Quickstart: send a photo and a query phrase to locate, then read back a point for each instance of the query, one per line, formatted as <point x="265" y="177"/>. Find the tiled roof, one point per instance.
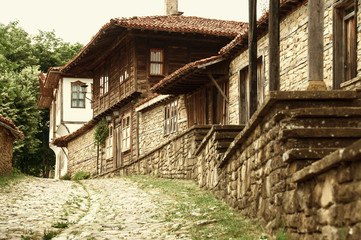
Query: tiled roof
<point x="169" y="24"/>
<point x="263" y="20"/>
<point x="63" y="140"/>
<point x="146" y="99"/>
<point x="182" y="24"/>
<point x="9" y="124"/>
<point x="183" y="70"/>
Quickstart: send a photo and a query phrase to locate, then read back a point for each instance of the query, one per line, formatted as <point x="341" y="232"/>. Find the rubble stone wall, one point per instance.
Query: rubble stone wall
<point x="82" y="154"/>
<point x="323" y="200"/>
<point x="151" y="126"/>
<point x="6" y="151"/>
<point x="312" y="198"/>
<point x="293" y="55"/>
<point x="173" y="159"/>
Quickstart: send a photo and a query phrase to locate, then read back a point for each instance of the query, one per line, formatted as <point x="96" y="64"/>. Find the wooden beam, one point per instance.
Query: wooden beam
<point x="274" y="45"/>
<point x="218" y="87"/>
<point x="315" y="45"/>
<point x="252" y="46"/>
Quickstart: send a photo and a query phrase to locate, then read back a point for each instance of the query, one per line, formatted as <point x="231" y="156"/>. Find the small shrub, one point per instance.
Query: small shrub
<point x="101" y="132"/>
<point x="81" y="175"/>
<point x="60" y="225"/>
<point x="49" y="235"/>
<point x="65" y="177"/>
<point x="281" y="235"/>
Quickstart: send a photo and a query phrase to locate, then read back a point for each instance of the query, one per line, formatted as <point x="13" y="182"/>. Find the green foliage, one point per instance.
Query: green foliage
<point x="81" y="175"/>
<point x="101" y="132"/>
<point x="49" y="234"/>
<point x="60" y="225"/>
<point x="21" y="58"/>
<point x="52" y="51"/>
<point x="8" y="180"/>
<point x="65" y="177"/>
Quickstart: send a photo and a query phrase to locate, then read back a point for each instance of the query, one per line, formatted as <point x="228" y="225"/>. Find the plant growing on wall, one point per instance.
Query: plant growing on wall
<point x="101" y="132"/>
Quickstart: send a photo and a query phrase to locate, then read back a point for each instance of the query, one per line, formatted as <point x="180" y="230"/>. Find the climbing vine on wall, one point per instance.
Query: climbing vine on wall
<point x="101" y="132"/>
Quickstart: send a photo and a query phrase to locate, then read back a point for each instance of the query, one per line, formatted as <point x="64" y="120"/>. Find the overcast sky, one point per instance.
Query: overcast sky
<point x="79" y="20"/>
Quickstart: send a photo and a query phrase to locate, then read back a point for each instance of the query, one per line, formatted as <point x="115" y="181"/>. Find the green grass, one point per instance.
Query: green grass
<point x="60" y="224"/>
<point x="9" y="180"/>
<point x="49" y="234"/>
<point x="81" y="175"/>
<point x="65" y="177"/>
<point x="206" y="216"/>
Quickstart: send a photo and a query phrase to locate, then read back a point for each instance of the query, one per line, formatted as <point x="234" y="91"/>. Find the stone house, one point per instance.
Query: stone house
<point x="267" y="145"/>
<point x="8" y="134"/>
<point x="125" y="59"/>
<point x="70" y="108"/>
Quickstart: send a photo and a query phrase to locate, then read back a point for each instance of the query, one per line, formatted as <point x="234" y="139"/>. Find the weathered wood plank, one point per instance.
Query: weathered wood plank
<point x="274" y="45"/>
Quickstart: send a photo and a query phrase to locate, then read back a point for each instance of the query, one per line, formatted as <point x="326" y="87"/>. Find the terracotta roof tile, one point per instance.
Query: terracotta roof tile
<point x="63" y="140"/>
<point x="12" y="127"/>
<point x="169" y="24"/>
<point x="146" y="100"/>
<point x="182" y="24"/>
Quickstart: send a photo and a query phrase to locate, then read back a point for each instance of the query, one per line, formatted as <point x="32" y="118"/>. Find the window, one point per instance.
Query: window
<point x="104" y="83"/>
<point x="109" y="143"/>
<point x="124" y="74"/>
<point x="124" y="65"/>
<point x="170" y="118"/>
<point x="126" y="132"/>
<point x="156" y="62"/>
<point x="78" y="95"/>
<point x="345" y="41"/>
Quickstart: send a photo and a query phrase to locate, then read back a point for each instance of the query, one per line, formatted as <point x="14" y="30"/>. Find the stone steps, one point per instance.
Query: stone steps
<point x="340" y="112"/>
<point x="320" y="132"/>
<point x="306" y="154"/>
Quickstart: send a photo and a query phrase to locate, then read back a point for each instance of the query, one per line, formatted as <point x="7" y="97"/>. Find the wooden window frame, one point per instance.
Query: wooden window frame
<point x="161" y="62"/>
<point x="171" y="118"/>
<point x="79" y="84"/>
<point x="104" y="81"/>
<point x="126" y="133"/>
<point x="344" y="70"/>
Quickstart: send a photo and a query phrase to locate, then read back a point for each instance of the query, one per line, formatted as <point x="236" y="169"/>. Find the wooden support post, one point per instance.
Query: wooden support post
<point x="218" y="87"/>
<point x="315" y="45"/>
<point x="274" y="45"/>
<point x="252" y="47"/>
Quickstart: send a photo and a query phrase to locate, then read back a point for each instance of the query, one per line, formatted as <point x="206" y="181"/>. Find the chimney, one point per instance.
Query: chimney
<point x="171" y="7"/>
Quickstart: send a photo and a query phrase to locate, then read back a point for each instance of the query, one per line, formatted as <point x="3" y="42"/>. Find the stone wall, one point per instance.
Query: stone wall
<point x="325" y="197"/>
<point x="288" y="133"/>
<point x="151" y="125"/>
<point x="6" y="151"/>
<point x="172" y="159"/>
<point x="293" y="55"/>
<point x="82" y="154"/>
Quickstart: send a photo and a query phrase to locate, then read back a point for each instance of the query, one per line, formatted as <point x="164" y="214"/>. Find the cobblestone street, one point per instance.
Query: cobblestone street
<point x="91" y="209"/>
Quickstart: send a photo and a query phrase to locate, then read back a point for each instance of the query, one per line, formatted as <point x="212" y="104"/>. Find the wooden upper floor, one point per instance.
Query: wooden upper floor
<point x="130" y="55"/>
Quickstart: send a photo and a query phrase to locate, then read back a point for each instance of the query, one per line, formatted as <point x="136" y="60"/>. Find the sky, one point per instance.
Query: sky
<point x="79" y="20"/>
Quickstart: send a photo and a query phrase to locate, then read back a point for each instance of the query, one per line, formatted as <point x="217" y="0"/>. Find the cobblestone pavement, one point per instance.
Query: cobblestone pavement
<point x="92" y="209"/>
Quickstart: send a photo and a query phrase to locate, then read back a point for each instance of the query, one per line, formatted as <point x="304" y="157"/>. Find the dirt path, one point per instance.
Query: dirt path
<point x="91" y="209"/>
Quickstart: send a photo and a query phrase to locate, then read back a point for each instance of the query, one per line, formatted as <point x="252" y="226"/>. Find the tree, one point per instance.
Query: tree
<point x="19" y="104"/>
<point x="21" y="58"/>
<point x="51" y="51"/>
<point x="16" y="51"/>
